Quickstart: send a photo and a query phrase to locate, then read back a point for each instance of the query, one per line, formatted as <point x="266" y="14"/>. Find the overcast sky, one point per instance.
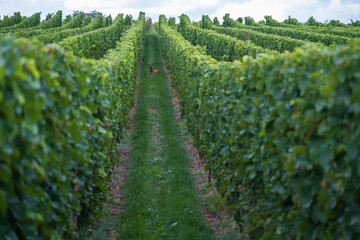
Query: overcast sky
<point x="322" y="10"/>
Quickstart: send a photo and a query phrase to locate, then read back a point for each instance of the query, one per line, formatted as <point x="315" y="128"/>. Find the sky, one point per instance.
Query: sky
<point x="322" y="10"/>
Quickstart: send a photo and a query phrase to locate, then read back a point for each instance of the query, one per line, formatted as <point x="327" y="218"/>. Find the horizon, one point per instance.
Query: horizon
<point x="322" y="10"/>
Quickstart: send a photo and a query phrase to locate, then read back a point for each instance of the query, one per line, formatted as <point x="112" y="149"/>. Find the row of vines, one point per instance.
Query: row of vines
<point x="60" y="117"/>
<point x="279" y="132"/>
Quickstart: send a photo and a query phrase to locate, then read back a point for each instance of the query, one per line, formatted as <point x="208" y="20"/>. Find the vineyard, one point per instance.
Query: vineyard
<point x="273" y="109"/>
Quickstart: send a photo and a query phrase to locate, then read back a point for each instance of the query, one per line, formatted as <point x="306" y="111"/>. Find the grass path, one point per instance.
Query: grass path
<point x="161" y="200"/>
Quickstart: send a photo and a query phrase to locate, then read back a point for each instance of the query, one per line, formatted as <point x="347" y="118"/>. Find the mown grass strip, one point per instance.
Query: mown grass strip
<point x="161" y="197"/>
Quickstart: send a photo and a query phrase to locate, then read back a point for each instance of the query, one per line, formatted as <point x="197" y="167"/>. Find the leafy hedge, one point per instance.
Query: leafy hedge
<point x="59" y="117"/>
<point x="351" y="32"/>
<point x="187" y="64"/>
<point x="280" y="134"/>
<point x="300" y="34"/>
<point x="29" y="22"/>
<point x="313" y="26"/>
<point x="74" y="27"/>
<point x="10" y="21"/>
<point x="269" y="41"/>
<point x="75" y="22"/>
<point x="219" y="46"/>
<point x="53" y="22"/>
<point x="94" y="44"/>
<point x="57" y="34"/>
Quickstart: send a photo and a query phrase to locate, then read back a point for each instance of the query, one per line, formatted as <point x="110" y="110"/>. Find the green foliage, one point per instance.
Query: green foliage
<point x="108" y="21"/>
<point x="345" y="32"/>
<point x="216" y="21"/>
<point x="269" y="41"/>
<point x="87" y="20"/>
<point x="94" y="44"/>
<point x="205" y="21"/>
<point x="31" y="21"/>
<point x="52" y="21"/>
<point x="75" y="22"/>
<point x="56" y="34"/>
<point x="48" y="16"/>
<point x="26" y="22"/>
<point x="227" y="21"/>
<point x="240" y="20"/>
<point x="172" y="22"/>
<point x="279" y="133"/>
<point x="186" y="63"/>
<point x="10" y="21"/>
<point x="54" y="143"/>
<point x="355" y="23"/>
<point x="219" y="46"/>
<point x="271" y="22"/>
<point x="298" y="33"/>
<point x="336" y="23"/>
<point x="67" y="19"/>
<point x="292" y="21"/>
<point x="283" y="139"/>
<point x="312" y="22"/>
<point x="128" y="19"/>
<point x="249" y="21"/>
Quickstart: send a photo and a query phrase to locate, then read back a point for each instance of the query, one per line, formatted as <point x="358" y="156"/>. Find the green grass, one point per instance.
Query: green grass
<point x="161" y="200"/>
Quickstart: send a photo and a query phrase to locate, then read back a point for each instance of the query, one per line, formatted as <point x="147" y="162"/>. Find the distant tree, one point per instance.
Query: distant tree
<point x="227" y="21"/>
<point x="262" y="22"/>
<point x="93" y="14"/>
<point x="77" y="12"/>
<point x="355" y="24"/>
<point x="16" y="18"/>
<point x="271" y="22"/>
<point x="128" y="19"/>
<point x="205" y="21"/>
<point x="52" y="20"/>
<point x="106" y="22"/>
<point x="249" y="21"/>
<point x="87" y="20"/>
<point x="216" y="21"/>
<point x="292" y="21"/>
<point x="312" y="22"/>
<point x="240" y="20"/>
<point x="49" y="16"/>
<point x="9" y="21"/>
<point x="67" y="19"/>
<point x="336" y="23"/>
<point x="172" y="22"/>
<point x="110" y="19"/>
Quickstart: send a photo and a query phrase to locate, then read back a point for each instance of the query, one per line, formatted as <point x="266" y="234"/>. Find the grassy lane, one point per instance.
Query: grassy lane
<point x="161" y="200"/>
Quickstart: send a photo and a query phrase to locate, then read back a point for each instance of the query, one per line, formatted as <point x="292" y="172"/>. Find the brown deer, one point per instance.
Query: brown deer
<point x="153" y="71"/>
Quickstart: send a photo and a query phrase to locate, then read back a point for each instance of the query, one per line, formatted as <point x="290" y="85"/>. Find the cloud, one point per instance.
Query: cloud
<point x="338" y="10"/>
<point x="343" y="10"/>
<point x="281" y="9"/>
<point x="85" y="5"/>
<point x="29" y="7"/>
<point x="169" y="8"/>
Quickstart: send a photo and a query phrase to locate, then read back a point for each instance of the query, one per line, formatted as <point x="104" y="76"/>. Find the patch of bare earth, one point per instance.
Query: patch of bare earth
<point x="218" y="217"/>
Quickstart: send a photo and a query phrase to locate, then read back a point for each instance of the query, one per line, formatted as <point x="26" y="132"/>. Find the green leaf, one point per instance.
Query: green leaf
<point x="3" y="203"/>
<point x="31" y="66"/>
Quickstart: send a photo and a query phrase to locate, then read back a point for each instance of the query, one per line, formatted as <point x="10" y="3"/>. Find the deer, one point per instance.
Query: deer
<point x="153" y="71"/>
